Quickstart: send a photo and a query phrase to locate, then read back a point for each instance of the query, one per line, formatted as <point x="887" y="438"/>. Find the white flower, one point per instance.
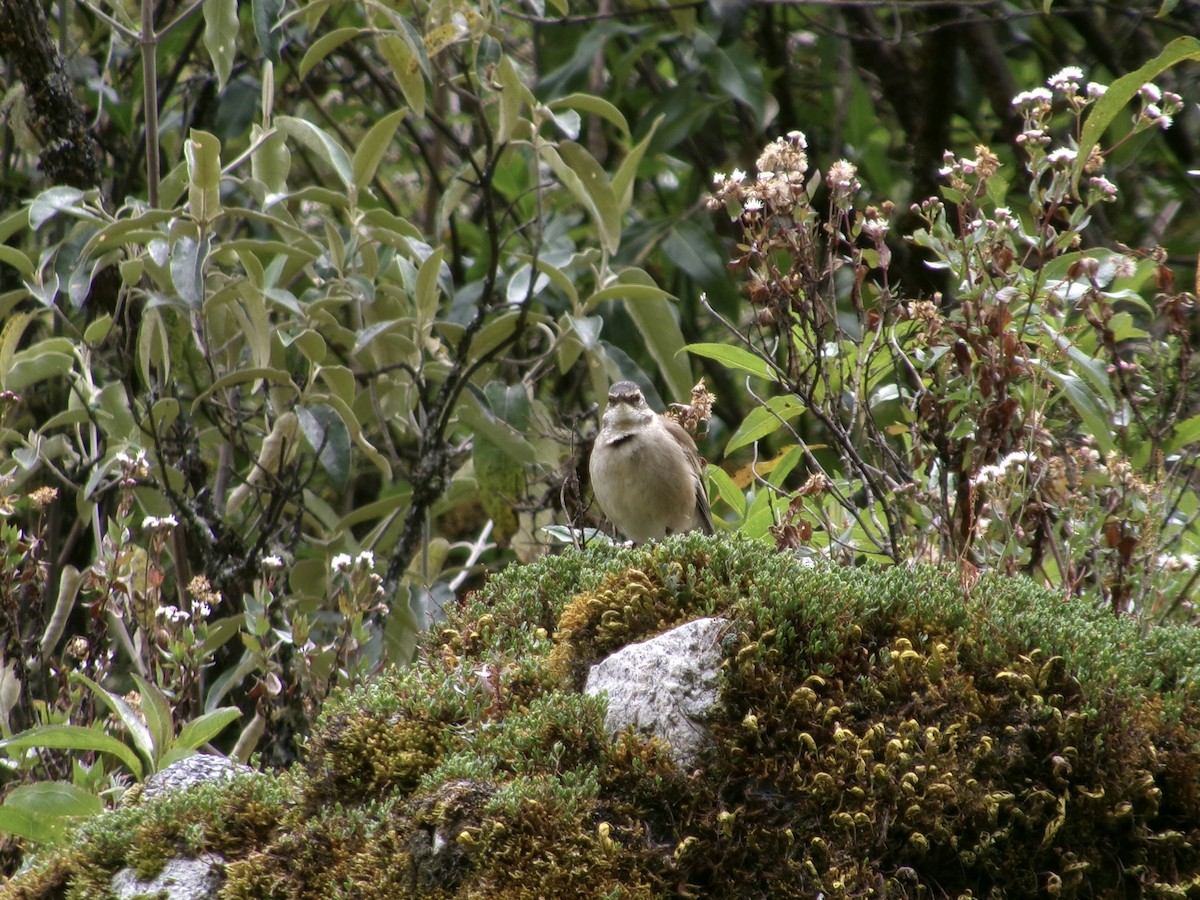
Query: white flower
<point x="986" y="474"/>
<point x="1104" y="186"/>
<point x="798" y="138"/>
<point x="202" y="609"/>
<point x="1066" y="78"/>
<point x="342" y="562"/>
<point x="738" y="176"/>
<point x="842" y="178"/>
<point x="366" y="559"/>
<point x="1062" y="155"/>
<point x="1036" y="97"/>
<point x="151" y="523"/>
<point x="272" y="562"/>
<point x="1150" y="91"/>
<point x="719" y="177"/>
<point x="1095" y="90"/>
<point x="752" y="205"/>
<point x="1018" y="457"/>
<point x="173" y="614"/>
<point x="875" y="229"/>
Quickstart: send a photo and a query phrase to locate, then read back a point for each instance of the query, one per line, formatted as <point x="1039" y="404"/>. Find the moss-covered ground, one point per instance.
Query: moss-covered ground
<point x="888" y="733"/>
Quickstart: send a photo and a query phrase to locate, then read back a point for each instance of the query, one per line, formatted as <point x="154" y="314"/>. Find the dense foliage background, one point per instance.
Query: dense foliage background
<point x="308" y="307"/>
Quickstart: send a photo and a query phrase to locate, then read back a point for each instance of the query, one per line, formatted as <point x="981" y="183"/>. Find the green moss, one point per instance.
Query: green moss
<point x="879" y="733"/>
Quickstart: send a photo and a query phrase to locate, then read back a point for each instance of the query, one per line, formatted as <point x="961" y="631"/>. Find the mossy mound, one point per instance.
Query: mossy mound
<point x="880" y="733"/>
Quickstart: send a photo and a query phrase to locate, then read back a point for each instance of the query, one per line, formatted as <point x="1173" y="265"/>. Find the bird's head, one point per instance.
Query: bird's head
<point x="626" y="406"/>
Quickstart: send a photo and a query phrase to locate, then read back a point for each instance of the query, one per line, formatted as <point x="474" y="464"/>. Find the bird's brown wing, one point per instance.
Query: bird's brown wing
<point x="688" y="444"/>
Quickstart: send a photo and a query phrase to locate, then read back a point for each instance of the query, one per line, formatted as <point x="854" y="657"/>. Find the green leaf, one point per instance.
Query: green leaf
<point x="503" y="436"/>
<point x="329" y="438"/>
<point x="266" y="16"/>
<point x="42" y="812"/>
<point x="188" y="258"/>
<point x="204" y="728"/>
<point x="55" y="200"/>
<point x="18" y="260"/>
<point x="326" y="44"/>
<point x="203" y="153"/>
<point x="133" y="721"/>
<point x="622" y="182"/>
<point x="157" y="714"/>
<point x="277" y="376"/>
<point x="1096" y="418"/>
<point x="734" y="358"/>
<point x="1186" y="432"/>
<point x="765" y="420"/>
<point x="579" y="172"/>
<point x="409" y="65"/>
<point x="727" y="490"/>
<point x="220" y="36"/>
<point x="320" y="143"/>
<point x="153" y="350"/>
<point x="74" y="737"/>
<point x="427" y="284"/>
<point x="513" y="93"/>
<point x="655" y="318"/>
<point x="593" y="105"/>
<point x="373" y="147"/>
<point x="1124" y="89"/>
<point x="41" y="362"/>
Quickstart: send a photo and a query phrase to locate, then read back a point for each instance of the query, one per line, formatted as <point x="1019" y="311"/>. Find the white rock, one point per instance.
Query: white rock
<point x="665" y="686"/>
<point x="180" y="879"/>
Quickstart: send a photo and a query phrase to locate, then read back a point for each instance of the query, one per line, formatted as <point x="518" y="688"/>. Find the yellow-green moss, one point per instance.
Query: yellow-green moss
<point x="879" y="733"/>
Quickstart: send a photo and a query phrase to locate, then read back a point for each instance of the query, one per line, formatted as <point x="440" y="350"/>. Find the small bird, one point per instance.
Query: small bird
<point x="646" y="471"/>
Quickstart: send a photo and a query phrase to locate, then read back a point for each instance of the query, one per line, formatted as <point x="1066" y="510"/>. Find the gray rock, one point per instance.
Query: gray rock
<point x="180" y="879"/>
<point x="196" y="769"/>
<point x="665" y="686"/>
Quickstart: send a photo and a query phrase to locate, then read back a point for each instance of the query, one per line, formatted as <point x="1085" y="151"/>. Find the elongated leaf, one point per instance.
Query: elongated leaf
<point x="590" y="175"/>
<point x="157" y="714"/>
<point x="373" y="147"/>
<point x="203" y="153"/>
<point x="329" y="438"/>
<point x="1095" y="418"/>
<point x="220" y="36"/>
<point x="765" y="420"/>
<point x="655" y="318"/>
<point x="266" y="16"/>
<point x="55" y="200"/>
<point x="427" y="284"/>
<point x="320" y="143"/>
<point x="1124" y="89"/>
<point x="188" y="258"/>
<point x="587" y="180"/>
<point x="727" y="490"/>
<point x="593" y="105"/>
<point x="74" y="737"/>
<point x="277" y="376"/>
<point x="503" y="436"/>
<point x="622" y="182"/>
<point x="18" y="260"/>
<point x="133" y="721"/>
<point x="42" y="812"/>
<point x="733" y="358"/>
<point x="204" y="728"/>
<point x="326" y="44"/>
<point x="409" y="65"/>
<point x="1186" y="432"/>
